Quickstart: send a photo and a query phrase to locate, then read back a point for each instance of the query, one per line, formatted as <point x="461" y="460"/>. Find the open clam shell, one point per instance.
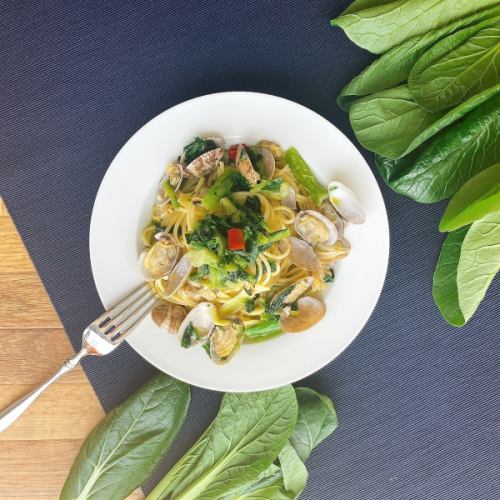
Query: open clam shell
<point x="204" y="164"/>
<point x="302" y="255"/>
<point x="290" y="200"/>
<point x="174" y="173"/>
<point x="225" y="342"/>
<point x="158" y="260"/>
<point x="309" y="311"/>
<point x="267" y="165"/>
<point x="244" y="165"/>
<point x="168" y="316"/>
<point x="291" y="293"/>
<point x="346" y="203"/>
<point x="315" y="228"/>
<point x="198" y="324"/>
<point x="179" y="275"/>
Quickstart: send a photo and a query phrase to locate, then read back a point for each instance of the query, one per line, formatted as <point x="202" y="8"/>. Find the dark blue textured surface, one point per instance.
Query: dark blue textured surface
<point x="417" y="399"/>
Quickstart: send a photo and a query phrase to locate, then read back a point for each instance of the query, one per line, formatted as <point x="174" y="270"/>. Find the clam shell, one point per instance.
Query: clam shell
<point x="244" y="165"/>
<point x="201" y="319"/>
<point x="204" y="164"/>
<point x="290" y="199"/>
<point x="302" y="255"/>
<point x="174" y="175"/>
<point x="179" y="275"/>
<point x="268" y="163"/>
<point x="168" y="316"/>
<point x="157" y="261"/>
<point x="291" y="293"/>
<point x="315" y="228"/>
<point x="225" y="342"/>
<point x="329" y="212"/>
<point x="346" y="203"/>
<point x="309" y="312"/>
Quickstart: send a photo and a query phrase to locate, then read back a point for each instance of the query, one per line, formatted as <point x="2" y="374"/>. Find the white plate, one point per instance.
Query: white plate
<point x="123" y="204"/>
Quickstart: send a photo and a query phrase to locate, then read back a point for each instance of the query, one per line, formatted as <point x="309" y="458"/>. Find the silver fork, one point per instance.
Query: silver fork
<point x="101" y="337"/>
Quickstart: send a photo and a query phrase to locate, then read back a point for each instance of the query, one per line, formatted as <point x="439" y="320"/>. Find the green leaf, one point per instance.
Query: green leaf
<point x="119" y="455"/>
<point x="462" y="64"/>
<point x="244" y="439"/>
<point x="479" y="262"/>
<point x="478" y="197"/>
<point x="393" y="67"/>
<point x="378" y="25"/>
<point x="392" y="124"/>
<point x="436" y="170"/>
<point x="386" y="122"/>
<point x="316" y="421"/>
<point x="293" y="470"/>
<point x="197" y="148"/>
<point x="444" y="284"/>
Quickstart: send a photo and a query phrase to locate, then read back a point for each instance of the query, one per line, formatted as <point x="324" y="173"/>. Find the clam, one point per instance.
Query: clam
<point x="173" y="175"/>
<point x="302" y="255"/>
<point x="308" y="312"/>
<point x="168" y="316"/>
<point x="346" y="203"/>
<point x="267" y="164"/>
<point x="340" y="249"/>
<point x="244" y="165"/>
<point x="179" y="275"/>
<point x="225" y="341"/>
<point x="204" y="164"/>
<point x="273" y="147"/>
<point x="197" y="325"/>
<point x="326" y="208"/>
<point x="315" y="228"/>
<point x="290" y="200"/>
<point x="291" y="293"/>
<point x="157" y="261"/>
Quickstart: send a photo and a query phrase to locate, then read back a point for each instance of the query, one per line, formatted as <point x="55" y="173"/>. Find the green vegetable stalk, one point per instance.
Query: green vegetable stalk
<point x="305" y="176"/>
<point x="171" y="194"/>
<point x="220" y="188"/>
<point x="263" y="330"/>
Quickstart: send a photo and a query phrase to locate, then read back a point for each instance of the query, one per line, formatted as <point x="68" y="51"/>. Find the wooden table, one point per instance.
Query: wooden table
<point x="38" y="450"/>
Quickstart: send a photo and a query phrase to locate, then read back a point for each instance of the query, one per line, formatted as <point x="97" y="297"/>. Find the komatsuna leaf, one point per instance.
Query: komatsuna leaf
<point x="378" y="26"/>
<point x="479" y="262"/>
<point x="293" y="470"/>
<point x="386" y="122"/>
<point x="392" y="124"/>
<point x="444" y="284"/>
<point x="316" y="421"/>
<point x="244" y="439"/>
<point x="437" y="169"/>
<point x="478" y="197"/>
<point x="393" y="67"/>
<point x="458" y="66"/>
<point x="119" y="455"/>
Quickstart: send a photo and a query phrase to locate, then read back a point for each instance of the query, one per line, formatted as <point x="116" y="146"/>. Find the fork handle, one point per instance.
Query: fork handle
<point x="10" y="414"/>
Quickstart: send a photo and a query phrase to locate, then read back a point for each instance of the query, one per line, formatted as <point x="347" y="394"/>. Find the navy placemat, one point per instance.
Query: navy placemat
<point x="416" y="398"/>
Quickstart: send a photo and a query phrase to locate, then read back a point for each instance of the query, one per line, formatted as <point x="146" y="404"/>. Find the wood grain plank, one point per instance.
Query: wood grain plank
<point x="13" y="256"/>
<point x="24" y="303"/>
<point x="31" y="355"/>
<point x="55" y="413"/>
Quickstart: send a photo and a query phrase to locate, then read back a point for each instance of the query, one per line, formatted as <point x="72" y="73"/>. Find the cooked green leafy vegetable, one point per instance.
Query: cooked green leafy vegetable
<point x="378" y="25"/>
<point x="444" y="284"/>
<point x="305" y="176"/>
<point x="197" y="148"/>
<point x="190" y="334"/>
<point x="170" y="191"/>
<point x="436" y="171"/>
<point x="460" y="65"/>
<point x="393" y="67"/>
<point x="120" y="454"/>
<point x="263" y="330"/>
<point x="230" y="181"/>
<point x="478" y="197"/>
<point x="246" y="436"/>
